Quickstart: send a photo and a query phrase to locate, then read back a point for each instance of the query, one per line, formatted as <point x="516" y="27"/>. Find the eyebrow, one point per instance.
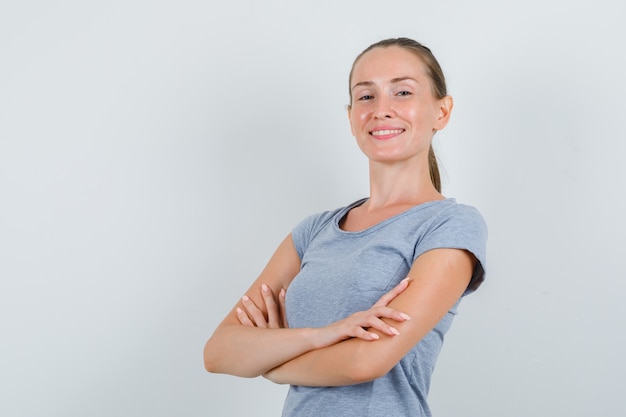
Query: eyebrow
<point x="393" y="81"/>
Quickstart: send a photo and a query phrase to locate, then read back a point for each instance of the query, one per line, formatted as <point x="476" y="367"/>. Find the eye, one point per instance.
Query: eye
<point x="403" y="93"/>
<point x="365" y="97"/>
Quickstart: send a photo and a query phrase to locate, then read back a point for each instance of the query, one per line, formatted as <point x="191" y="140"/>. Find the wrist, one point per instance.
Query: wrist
<point x="321" y="337"/>
<point x="314" y="337"/>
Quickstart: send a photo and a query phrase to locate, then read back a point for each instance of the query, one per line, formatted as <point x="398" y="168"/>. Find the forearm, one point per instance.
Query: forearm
<point x="251" y="351"/>
<point x="349" y="362"/>
<point x="441" y="276"/>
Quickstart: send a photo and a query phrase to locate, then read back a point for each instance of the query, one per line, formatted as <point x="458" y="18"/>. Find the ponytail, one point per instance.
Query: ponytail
<point x="433" y="167"/>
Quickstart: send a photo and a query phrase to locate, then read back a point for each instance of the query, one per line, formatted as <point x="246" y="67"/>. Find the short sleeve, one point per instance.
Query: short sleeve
<point x="307" y="229"/>
<point x="459" y="227"/>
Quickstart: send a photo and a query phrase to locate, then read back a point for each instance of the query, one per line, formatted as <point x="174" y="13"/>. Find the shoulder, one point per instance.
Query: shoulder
<point x="308" y="228"/>
<point x="312" y="224"/>
<point x="457" y="226"/>
<point x="464" y="216"/>
<point x="438" y="218"/>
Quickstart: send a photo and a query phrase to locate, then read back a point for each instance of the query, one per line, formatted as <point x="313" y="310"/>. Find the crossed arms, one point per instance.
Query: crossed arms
<point x="254" y="340"/>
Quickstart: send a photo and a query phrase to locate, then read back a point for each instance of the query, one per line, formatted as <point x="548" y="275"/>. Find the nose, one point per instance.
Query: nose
<point x="384" y="108"/>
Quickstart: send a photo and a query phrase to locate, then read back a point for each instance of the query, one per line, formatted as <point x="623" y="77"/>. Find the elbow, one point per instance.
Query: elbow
<point x="367" y="368"/>
<point x="215" y="354"/>
<point x="365" y="373"/>
<point x="210" y="361"/>
<point x="213" y="360"/>
<point x="216" y="361"/>
<point x="369" y="362"/>
<point x="210" y="366"/>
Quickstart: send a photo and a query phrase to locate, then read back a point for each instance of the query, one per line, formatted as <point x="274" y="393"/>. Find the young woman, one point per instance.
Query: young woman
<point x="352" y="308"/>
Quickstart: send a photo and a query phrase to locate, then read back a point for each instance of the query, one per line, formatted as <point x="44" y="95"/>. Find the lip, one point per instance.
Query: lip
<point x="386" y="132"/>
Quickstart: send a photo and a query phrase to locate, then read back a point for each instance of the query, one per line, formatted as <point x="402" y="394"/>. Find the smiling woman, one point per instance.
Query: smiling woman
<point x="434" y="78"/>
<point x="352" y="308"/>
<point x="394" y="111"/>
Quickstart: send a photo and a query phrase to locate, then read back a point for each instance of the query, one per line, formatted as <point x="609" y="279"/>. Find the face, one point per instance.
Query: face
<point x="394" y="112"/>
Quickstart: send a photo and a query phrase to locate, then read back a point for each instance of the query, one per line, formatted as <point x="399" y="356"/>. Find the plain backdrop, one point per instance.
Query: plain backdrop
<point x="154" y="153"/>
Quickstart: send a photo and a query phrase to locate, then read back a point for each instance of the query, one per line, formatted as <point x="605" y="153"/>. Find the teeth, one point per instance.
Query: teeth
<point x="387" y="132"/>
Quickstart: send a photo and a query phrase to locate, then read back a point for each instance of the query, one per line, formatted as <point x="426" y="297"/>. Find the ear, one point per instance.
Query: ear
<point x="445" y="108"/>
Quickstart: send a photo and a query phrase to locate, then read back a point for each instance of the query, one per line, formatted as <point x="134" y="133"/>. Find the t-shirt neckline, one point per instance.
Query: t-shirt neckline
<point x="344" y="211"/>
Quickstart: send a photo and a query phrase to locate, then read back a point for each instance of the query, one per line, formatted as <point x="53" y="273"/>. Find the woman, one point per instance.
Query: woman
<point x="368" y="290"/>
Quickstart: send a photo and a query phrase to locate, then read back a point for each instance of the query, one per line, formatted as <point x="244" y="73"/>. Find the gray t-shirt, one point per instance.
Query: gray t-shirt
<point x="345" y="272"/>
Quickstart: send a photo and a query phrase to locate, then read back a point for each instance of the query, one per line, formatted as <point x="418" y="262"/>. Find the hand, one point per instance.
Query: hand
<point x="253" y="316"/>
<point x="355" y="325"/>
<point x="358" y="324"/>
<point x="352" y="326"/>
<point x="395" y="291"/>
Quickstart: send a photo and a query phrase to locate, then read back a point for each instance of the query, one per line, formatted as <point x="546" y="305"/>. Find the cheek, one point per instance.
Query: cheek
<point x="352" y="128"/>
<point x="357" y="121"/>
<point x="422" y="118"/>
<point x="414" y="111"/>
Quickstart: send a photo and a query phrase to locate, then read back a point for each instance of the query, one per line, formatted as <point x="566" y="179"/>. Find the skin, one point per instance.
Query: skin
<point x="253" y="350"/>
<point x="393" y="117"/>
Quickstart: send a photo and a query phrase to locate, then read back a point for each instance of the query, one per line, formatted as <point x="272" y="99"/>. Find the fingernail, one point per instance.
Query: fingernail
<point x="282" y="292"/>
<point x="239" y="311"/>
<point x="394" y="331"/>
<point x="405" y="316"/>
<point x="264" y="288"/>
<point x="374" y="336"/>
<point x="245" y="298"/>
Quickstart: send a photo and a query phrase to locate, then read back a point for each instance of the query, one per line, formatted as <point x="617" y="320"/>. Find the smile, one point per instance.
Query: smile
<point x="386" y="133"/>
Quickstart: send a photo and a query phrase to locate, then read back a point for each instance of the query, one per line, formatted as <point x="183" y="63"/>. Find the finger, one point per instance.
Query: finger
<point x="283" y="307"/>
<point x="243" y="318"/>
<point x="372" y="319"/>
<point x="363" y="334"/>
<point x="273" y="317"/>
<point x="253" y="311"/>
<point x="389" y="313"/>
<point x="395" y="291"/>
<point x="380" y="325"/>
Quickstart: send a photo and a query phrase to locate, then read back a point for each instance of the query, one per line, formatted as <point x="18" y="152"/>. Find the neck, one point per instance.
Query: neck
<point x="400" y="184"/>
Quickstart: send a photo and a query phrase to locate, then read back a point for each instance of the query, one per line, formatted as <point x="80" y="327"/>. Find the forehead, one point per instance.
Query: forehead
<point x="391" y="62"/>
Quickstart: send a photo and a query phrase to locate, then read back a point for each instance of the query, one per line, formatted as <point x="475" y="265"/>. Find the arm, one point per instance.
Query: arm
<point x="250" y="340"/>
<point x="439" y="278"/>
<point x="247" y="351"/>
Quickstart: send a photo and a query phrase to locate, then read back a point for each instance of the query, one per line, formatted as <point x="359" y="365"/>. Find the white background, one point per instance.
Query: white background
<point x="154" y="153"/>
